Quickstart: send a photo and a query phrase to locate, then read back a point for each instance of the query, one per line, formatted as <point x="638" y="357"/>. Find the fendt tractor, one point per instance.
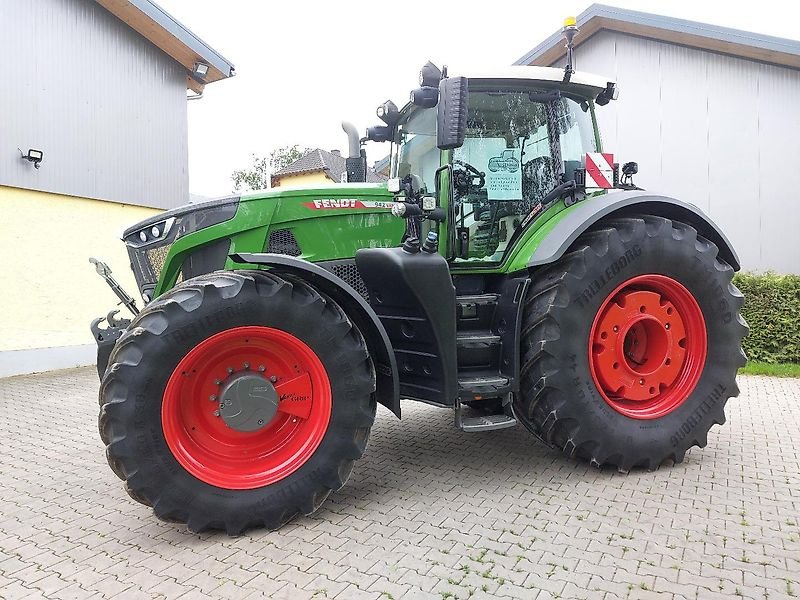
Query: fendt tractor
<point x="509" y="271"/>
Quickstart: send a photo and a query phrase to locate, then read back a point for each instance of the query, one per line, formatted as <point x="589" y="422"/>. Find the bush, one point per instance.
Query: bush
<point x="772" y="309"/>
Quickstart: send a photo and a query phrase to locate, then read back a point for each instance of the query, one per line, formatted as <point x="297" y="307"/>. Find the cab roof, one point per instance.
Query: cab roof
<point x="591" y="83"/>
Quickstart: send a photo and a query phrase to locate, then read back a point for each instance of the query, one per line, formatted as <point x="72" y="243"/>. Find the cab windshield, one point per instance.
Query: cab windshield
<point x="524" y="144"/>
<point x="519" y="146"/>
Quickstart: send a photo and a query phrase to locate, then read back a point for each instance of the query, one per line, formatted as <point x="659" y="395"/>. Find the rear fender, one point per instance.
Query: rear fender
<point x="618" y="204"/>
<point x="380" y="348"/>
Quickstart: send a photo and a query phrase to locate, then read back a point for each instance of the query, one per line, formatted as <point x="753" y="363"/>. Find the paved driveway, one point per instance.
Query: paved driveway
<point x="429" y="513"/>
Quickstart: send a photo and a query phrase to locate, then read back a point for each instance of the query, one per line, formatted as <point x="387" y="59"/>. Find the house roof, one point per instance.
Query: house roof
<point x="599" y="17"/>
<point x="333" y="165"/>
<point x="172" y="37"/>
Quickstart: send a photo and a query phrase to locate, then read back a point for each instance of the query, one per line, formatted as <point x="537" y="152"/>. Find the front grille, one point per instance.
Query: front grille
<point x="147" y="263"/>
<point x="347" y="270"/>
<point x="282" y="241"/>
<point x="157" y="257"/>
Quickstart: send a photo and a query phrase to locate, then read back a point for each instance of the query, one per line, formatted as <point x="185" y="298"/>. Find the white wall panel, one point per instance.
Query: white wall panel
<point x="733" y="152"/>
<point x="711" y="129"/>
<point x="107" y="107"/>
<point x="779" y="168"/>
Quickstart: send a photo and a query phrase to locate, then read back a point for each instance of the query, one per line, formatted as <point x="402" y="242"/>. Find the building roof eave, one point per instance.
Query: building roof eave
<point x="173" y="38"/>
<point x="598" y="17"/>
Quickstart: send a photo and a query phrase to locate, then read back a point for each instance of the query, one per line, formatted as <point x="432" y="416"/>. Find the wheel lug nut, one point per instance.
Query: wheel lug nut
<point x="217" y="382"/>
<point x="666" y="326"/>
<point x="641" y="382"/>
<point x="230" y="370"/>
<point x="261" y="368"/>
<point x="246" y="365"/>
<point x="616" y="328"/>
<point x="273" y="379"/>
<point x="212" y="397"/>
<point x="216" y="413"/>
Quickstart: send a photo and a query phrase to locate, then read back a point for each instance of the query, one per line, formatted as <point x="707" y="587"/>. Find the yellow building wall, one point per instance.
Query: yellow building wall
<point x="50" y="291"/>
<point x="315" y="178"/>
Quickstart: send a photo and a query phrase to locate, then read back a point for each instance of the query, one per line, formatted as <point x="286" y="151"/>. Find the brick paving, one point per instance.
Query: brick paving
<point x="428" y="513"/>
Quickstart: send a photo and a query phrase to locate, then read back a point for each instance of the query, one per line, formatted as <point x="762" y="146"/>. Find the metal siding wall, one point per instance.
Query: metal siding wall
<point x="106" y="106"/>
<point x="717" y="131"/>
<point x="779" y="144"/>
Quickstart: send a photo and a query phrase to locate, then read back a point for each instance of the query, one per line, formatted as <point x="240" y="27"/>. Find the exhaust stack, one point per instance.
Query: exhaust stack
<point x="356" y="161"/>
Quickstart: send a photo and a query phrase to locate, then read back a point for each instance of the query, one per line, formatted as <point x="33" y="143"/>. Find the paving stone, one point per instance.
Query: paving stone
<point x="424" y="503"/>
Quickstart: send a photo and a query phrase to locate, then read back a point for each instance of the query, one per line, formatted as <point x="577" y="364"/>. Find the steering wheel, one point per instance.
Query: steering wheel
<point x="468" y="178"/>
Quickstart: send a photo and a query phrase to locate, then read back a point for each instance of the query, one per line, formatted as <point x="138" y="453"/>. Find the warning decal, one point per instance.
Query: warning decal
<point x="599" y="170"/>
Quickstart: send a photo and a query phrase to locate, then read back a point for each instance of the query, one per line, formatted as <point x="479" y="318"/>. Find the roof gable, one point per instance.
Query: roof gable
<point x="742" y="44"/>
<point x="316" y="160"/>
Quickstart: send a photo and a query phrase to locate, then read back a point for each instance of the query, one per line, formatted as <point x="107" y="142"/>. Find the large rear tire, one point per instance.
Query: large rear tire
<point x="630" y="344"/>
<point x="237" y="400"/>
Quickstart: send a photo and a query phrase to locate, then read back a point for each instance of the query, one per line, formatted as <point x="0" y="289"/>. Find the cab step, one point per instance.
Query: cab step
<point x="486" y="385"/>
<point x="467" y="338"/>
<point x="486" y="423"/>
<point x="475" y="311"/>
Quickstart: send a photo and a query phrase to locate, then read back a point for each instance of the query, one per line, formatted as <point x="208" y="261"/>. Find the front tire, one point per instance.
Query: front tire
<point x="237" y="400"/>
<point x="631" y="344"/>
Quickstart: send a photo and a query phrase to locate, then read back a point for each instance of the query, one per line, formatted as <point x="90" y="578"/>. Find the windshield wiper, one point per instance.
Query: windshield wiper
<point x="558" y="192"/>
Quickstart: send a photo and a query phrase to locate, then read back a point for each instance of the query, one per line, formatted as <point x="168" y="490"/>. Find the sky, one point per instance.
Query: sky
<point x="304" y="66"/>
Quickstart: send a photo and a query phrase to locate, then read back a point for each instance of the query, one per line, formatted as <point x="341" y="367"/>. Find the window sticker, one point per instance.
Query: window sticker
<point x="501" y="165"/>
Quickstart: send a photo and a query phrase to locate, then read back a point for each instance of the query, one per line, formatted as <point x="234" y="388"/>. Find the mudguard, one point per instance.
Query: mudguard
<point x="380" y="347"/>
<point x="627" y="203"/>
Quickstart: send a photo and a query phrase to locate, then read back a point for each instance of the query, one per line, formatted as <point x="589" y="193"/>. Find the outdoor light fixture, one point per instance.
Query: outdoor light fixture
<point x="200" y="70"/>
<point x="430" y="75"/>
<point x="34" y="156"/>
<point x="388" y="113"/>
<point x="425" y="97"/>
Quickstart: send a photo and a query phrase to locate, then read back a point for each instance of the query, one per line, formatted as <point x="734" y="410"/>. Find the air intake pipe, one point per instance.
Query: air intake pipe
<point x="356" y="162"/>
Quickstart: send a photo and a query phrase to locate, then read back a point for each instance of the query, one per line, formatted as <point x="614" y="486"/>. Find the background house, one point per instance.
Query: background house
<point x="317" y="167"/>
<point x="709" y="113"/>
<point x="100" y="87"/>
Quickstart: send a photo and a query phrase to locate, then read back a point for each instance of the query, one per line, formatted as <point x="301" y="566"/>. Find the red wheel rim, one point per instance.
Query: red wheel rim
<point x="647" y="346"/>
<point x="204" y="443"/>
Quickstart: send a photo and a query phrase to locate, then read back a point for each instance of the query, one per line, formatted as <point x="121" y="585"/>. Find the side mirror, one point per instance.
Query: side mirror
<point x="451" y="113"/>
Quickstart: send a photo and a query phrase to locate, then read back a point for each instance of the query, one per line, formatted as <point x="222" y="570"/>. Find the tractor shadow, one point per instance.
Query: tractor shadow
<point x="424" y="458"/>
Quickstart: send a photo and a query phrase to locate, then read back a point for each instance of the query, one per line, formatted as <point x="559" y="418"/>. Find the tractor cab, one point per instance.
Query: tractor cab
<point x="481" y="161"/>
<point x="525" y="137"/>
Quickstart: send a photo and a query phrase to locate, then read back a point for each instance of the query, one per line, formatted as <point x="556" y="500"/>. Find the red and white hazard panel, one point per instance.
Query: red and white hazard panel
<point x="599" y="170"/>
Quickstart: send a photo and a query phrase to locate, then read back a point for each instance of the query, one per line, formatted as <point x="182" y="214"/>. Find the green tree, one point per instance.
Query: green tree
<point x="256" y="177"/>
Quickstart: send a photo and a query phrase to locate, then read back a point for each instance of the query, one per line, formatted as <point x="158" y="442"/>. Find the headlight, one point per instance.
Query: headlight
<point x="175" y="223"/>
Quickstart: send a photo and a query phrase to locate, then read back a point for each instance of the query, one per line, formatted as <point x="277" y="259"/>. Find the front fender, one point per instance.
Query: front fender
<point x="387" y="389"/>
<point x="589" y="212"/>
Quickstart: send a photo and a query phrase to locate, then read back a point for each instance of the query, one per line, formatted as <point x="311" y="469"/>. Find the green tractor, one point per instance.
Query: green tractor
<point x="549" y="292"/>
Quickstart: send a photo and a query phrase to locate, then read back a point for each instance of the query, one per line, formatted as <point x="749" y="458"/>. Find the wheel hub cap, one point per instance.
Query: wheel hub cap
<point x="647" y="346"/>
<point x="246" y="407"/>
<point x="638" y="345"/>
<point x="248" y="402"/>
